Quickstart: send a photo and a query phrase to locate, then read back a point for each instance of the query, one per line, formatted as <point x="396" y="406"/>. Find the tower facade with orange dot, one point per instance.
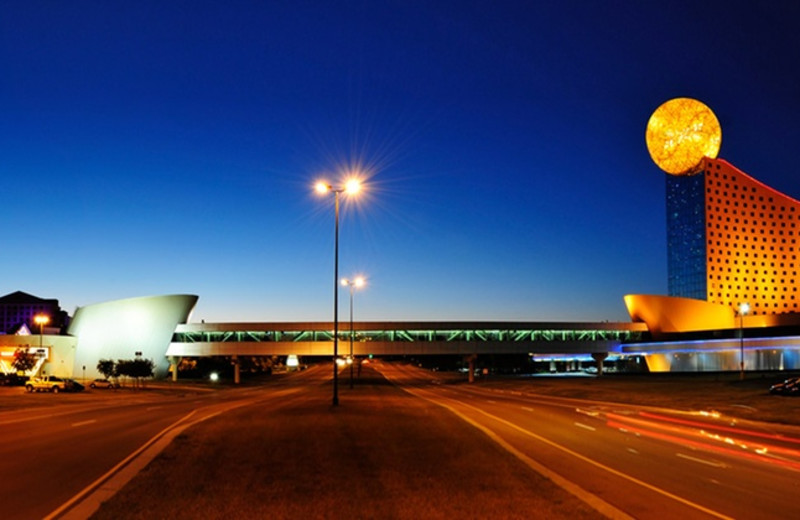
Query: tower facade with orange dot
<point x="731" y="240"/>
<point x="751" y="233"/>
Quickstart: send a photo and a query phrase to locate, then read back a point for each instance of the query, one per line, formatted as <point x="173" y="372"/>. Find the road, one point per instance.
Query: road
<point x="52" y="452"/>
<point x="59" y="452"/>
<point x="632" y="460"/>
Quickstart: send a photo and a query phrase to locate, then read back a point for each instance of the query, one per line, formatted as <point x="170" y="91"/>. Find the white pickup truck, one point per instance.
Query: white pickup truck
<point x="46" y="384"/>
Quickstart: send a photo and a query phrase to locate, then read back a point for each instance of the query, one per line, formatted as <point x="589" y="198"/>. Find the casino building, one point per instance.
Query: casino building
<point x="732" y="257"/>
<point x="731" y="243"/>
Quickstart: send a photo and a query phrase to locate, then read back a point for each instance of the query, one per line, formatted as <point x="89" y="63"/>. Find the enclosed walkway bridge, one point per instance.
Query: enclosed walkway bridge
<point x="402" y="338"/>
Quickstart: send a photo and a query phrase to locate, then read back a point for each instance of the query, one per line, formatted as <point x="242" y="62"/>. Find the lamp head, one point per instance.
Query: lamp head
<point x="352" y="186"/>
<point x="358" y="281"/>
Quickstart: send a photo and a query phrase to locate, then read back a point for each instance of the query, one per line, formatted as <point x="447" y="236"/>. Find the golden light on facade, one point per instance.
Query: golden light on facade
<point x="680" y="133"/>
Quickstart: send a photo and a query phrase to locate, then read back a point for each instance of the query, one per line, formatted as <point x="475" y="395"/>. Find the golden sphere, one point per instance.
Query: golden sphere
<point x="680" y="133"/>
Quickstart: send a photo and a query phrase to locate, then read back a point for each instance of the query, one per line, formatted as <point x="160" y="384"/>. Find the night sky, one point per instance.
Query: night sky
<point x="158" y="147"/>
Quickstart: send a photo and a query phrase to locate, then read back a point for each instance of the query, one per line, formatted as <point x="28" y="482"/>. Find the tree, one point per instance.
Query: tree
<point x="137" y="369"/>
<point x="107" y="367"/>
<point x="23" y="360"/>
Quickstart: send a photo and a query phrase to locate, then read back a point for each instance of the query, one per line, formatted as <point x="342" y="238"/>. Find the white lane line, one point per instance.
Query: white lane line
<point x="585" y="427"/>
<point x="595" y="501"/>
<point x="84" y="423"/>
<point x="635" y="452"/>
<point x="701" y="461"/>
<point x="527" y="409"/>
<point x="152" y="408"/>
<point x="490" y="401"/>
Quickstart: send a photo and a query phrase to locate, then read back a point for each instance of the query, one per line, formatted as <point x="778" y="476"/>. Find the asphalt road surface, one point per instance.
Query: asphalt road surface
<point x="642" y="462"/>
<point x="626" y="461"/>
<point x="51" y="453"/>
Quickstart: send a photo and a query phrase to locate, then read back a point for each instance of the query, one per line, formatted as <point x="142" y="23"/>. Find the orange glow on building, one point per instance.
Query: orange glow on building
<point x="751" y="241"/>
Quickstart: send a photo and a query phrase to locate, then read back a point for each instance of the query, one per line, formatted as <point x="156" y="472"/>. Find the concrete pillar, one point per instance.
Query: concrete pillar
<point x="236" y="370"/>
<point x="472" y="360"/>
<point x="599" y="357"/>
<point x="175" y="361"/>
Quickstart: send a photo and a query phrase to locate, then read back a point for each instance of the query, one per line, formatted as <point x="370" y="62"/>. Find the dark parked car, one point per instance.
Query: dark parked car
<point x="70" y="385"/>
<point x="789" y="387"/>
<point x="12" y="380"/>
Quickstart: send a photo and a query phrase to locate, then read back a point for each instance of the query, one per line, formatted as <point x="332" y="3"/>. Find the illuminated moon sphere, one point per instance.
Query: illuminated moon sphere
<point x="680" y="133"/>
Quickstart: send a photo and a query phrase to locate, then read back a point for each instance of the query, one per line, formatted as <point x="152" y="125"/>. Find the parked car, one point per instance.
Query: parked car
<point x="45" y="384"/>
<point x="789" y="387"/>
<point x="103" y="383"/>
<point x="12" y="380"/>
<point x="70" y="385"/>
<point x="52" y="384"/>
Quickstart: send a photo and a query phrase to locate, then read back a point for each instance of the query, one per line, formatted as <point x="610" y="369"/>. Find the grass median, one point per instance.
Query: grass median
<point x="381" y="454"/>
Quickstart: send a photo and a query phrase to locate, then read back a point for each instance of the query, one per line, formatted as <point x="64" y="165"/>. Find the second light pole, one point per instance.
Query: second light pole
<point x="353" y="284"/>
<point x="350" y="187"/>
<point x="744" y="308"/>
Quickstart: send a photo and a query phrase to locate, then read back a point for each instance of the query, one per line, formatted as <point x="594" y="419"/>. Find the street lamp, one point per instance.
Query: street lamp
<point x="353" y="284"/>
<point x="744" y="308"/>
<point x="351" y="187"/>
<point x="41" y="320"/>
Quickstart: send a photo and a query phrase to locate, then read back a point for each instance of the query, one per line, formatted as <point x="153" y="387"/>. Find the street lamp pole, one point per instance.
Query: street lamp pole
<point x="744" y="308"/>
<point x="41" y="320"/>
<point x="351" y="186"/>
<point x="356" y="282"/>
<point x="336" y="302"/>
<point x="351" y="336"/>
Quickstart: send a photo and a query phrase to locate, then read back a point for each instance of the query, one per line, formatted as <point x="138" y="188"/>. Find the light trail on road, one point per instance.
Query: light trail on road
<point x="626" y="454"/>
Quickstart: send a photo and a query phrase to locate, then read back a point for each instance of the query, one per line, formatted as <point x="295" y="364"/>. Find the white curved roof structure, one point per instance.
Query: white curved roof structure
<point x="121" y="328"/>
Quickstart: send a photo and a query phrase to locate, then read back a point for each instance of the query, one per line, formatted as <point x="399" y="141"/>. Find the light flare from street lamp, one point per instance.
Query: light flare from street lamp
<point x="744" y="308"/>
<point x="41" y="319"/>
<point x="358" y="281"/>
<point x="322" y="187"/>
<point x="352" y="186"/>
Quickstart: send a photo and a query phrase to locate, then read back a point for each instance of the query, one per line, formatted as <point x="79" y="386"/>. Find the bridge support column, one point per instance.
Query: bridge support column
<point x="236" y="370"/>
<point x="175" y="361"/>
<point x="599" y="357"/>
<point x="471" y="359"/>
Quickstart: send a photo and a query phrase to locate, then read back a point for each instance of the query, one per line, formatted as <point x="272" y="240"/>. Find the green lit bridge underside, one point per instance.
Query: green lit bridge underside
<point x="395" y="338"/>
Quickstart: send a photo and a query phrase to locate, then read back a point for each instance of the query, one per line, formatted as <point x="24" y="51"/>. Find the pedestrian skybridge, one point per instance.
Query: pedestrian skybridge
<point x="401" y="338"/>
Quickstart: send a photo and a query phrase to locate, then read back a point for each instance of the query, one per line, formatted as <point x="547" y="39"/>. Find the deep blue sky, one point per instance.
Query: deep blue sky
<point x="154" y="147"/>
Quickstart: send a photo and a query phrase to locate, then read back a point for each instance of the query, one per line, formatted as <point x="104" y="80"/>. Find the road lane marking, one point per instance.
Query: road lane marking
<point x="589" y="498"/>
<point x="490" y="401"/>
<point x="84" y="423"/>
<point x="702" y="461"/>
<point x="585" y="427"/>
<point x="527" y="409"/>
<point x="88" y="500"/>
<point x="595" y="501"/>
<point x="635" y="452"/>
